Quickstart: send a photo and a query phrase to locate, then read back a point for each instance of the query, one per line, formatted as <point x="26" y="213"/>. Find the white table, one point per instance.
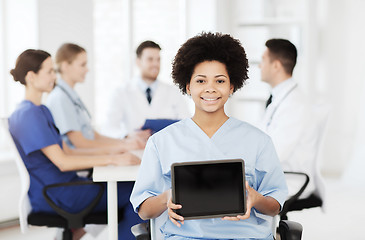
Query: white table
<point x="112" y="175"/>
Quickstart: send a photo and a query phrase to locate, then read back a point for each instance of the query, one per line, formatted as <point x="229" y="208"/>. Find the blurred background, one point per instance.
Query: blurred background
<point x="329" y="35"/>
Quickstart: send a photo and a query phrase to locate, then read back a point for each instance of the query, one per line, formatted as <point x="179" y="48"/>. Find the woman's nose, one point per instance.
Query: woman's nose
<point x="210" y="87"/>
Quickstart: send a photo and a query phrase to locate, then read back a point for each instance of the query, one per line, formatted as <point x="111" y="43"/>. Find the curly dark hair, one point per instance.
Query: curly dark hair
<point x="210" y="47"/>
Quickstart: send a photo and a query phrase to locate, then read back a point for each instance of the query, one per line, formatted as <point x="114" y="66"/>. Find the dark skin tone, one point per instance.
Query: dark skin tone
<point x="209" y="88"/>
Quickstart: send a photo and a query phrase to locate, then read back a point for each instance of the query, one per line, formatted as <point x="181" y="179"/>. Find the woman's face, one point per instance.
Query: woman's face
<point x="77" y="69"/>
<point x="210" y="86"/>
<point x="45" y="79"/>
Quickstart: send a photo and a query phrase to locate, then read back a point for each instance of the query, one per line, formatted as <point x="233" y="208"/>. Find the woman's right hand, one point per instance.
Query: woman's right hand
<point x="137" y="140"/>
<point x="126" y="159"/>
<point x="174" y="218"/>
<point x="143" y="135"/>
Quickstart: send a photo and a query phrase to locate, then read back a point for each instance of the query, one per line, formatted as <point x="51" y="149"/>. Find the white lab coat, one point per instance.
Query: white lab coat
<point x="295" y="128"/>
<point x="129" y="108"/>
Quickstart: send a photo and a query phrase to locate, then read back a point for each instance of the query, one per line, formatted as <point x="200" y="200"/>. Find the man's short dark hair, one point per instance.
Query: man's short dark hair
<point x="284" y="51"/>
<point x="210" y="47"/>
<point x="146" y="44"/>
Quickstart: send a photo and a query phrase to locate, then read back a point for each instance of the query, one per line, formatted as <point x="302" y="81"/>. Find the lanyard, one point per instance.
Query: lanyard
<point x="79" y="105"/>
<point x="277" y="106"/>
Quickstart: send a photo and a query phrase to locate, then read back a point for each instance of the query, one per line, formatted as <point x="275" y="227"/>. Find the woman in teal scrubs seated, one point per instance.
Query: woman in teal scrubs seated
<point x="210" y="68"/>
<point x="47" y="159"/>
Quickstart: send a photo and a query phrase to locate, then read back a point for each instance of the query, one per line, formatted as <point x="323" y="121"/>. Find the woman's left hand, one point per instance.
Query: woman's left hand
<point x="252" y="197"/>
<point x="125" y="159"/>
<point x="171" y="208"/>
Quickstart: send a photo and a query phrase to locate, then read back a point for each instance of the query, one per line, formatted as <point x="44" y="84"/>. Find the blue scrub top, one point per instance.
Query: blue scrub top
<point x="186" y="141"/>
<point x="32" y="128"/>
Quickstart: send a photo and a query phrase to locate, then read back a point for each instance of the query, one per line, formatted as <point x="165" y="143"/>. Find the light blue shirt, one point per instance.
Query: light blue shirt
<point x="185" y="141"/>
<point x="69" y="112"/>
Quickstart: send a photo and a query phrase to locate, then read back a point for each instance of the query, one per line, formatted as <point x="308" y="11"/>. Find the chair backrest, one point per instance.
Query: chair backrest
<point x="24" y="207"/>
<point x="156" y="224"/>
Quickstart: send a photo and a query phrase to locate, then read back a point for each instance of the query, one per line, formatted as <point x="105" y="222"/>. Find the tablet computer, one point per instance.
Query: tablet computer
<point x="209" y="189"/>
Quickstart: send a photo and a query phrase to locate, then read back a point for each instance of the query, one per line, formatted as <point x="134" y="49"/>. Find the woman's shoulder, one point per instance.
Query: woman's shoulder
<point x="245" y="126"/>
<point x="175" y="129"/>
<point x="25" y="108"/>
<point x="56" y="96"/>
<point x="248" y="131"/>
<point x="26" y="113"/>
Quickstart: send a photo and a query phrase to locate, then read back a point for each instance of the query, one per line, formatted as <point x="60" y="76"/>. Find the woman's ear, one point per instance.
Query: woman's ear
<point x="29" y="78"/>
<point x="188" y="89"/>
<point x="63" y="67"/>
<point x="231" y="89"/>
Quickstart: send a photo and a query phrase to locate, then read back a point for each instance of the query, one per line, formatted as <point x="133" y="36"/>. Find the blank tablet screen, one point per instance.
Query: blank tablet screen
<point x="209" y="189"/>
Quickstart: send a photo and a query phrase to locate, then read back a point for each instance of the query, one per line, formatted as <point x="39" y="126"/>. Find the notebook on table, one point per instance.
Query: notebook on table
<point x="157" y="124"/>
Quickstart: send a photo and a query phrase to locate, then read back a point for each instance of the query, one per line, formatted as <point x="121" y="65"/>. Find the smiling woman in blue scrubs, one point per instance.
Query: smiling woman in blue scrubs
<point x="47" y="159"/>
<point x="211" y="67"/>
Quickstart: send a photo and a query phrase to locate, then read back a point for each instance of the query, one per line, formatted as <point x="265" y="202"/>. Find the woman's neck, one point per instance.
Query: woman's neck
<point x="68" y="80"/>
<point x="34" y="96"/>
<point x="210" y="122"/>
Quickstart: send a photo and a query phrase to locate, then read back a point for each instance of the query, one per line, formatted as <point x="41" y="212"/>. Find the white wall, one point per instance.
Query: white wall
<point x="342" y="50"/>
<point x="56" y="22"/>
<point x="63" y="21"/>
<point x="354" y="91"/>
<point x="18" y="28"/>
<point x="18" y="33"/>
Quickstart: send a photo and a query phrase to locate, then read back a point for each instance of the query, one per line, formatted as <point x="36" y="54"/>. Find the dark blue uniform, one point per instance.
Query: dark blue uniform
<point x="32" y="128"/>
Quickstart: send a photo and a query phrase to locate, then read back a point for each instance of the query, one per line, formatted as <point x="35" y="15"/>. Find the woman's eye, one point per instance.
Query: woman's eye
<point x="220" y="81"/>
<point x="199" y="81"/>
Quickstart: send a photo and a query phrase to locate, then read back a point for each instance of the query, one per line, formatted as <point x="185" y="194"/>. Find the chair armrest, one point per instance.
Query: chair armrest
<point x="296" y="196"/>
<point x="75" y="220"/>
<point x="141" y="231"/>
<point x="290" y="230"/>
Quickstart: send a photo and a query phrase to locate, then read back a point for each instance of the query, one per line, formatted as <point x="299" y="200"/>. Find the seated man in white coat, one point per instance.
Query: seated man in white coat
<point x="145" y="97"/>
<point x="290" y="118"/>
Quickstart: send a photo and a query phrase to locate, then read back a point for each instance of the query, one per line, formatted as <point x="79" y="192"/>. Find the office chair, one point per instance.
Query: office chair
<point x="62" y="219"/>
<point x="295" y="203"/>
<point x="288" y="230"/>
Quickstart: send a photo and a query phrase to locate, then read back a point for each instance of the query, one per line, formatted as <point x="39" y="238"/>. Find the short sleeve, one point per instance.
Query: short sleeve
<point x="32" y="130"/>
<point x="63" y="111"/>
<point x="269" y="174"/>
<point x="150" y="178"/>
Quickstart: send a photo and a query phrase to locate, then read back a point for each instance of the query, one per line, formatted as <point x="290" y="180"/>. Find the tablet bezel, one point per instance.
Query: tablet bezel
<point x="233" y="214"/>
